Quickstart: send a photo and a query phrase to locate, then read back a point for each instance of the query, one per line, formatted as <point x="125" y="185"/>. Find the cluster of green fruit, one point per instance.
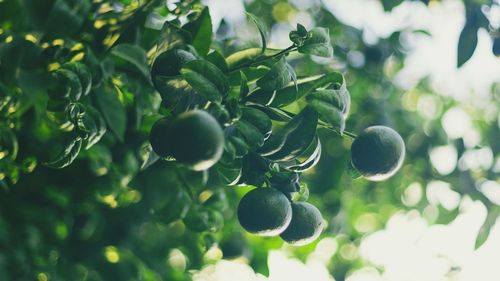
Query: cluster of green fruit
<point x="228" y="117"/>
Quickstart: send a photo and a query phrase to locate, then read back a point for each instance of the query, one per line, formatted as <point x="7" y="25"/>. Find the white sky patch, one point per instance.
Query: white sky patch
<point x="444" y="158"/>
<point x="474" y="159"/>
<point x="439" y="192"/>
<point x="232" y="11"/>
<point x="491" y="190"/>
<point x="409" y="249"/>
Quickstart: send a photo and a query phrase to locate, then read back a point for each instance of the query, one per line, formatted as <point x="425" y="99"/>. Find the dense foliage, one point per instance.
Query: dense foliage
<point x="131" y="130"/>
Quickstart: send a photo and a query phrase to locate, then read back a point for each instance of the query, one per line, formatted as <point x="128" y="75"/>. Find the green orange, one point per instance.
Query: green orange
<point x="194" y="138"/>
<point x="265" y="212"/>
<point x="306" y="225"/>
<point x="378" y="153"/>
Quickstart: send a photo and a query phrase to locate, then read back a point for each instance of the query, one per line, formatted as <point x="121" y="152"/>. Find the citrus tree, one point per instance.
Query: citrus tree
<point x="133" y="131"/>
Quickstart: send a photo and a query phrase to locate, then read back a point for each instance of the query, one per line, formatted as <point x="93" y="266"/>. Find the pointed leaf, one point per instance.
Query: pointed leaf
<point x="201" y="32"/>
<point x="318" y="43"/>
<point x="277" y="77"/>
<point x="68" y="155"/>
<point x="466" y="44"/>
<point x="113" y="110"/>
<point x="208" y="80"/>
<point x="133" y="54"/>
<point x="264" y="33"/>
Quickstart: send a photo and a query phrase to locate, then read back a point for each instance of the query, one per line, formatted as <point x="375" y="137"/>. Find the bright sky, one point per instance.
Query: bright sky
<point x="409" y="248"/>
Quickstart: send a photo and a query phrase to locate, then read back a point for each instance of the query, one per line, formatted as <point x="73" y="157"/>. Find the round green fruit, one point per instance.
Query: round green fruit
<point x="378" y="153"/>
<point x="306" y="225"/>
<point x="264" y="212"/>
<point x="194" y="138"/>
<point x="169" y="63"/>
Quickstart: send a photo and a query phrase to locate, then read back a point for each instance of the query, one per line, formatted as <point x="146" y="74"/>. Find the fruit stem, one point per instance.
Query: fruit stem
<point x="264" y="58"/>
<point x="348" y="134"/>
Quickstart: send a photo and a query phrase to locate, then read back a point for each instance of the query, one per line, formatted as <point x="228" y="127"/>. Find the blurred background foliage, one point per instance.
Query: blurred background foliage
<point x="103" y="218"/>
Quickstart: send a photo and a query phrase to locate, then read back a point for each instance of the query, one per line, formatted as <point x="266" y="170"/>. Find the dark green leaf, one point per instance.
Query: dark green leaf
<point x="208" y="80"/>
<point x="288" y="142"/>
<point x="496" y="46"/>
<point x="466" y="44"/>
<point x="314" y="151"/>
<point x="113" y="110"/>
<point x="201" y="32"/>
<point x="134" y="55"/>
<point x="67" y="156"/>
<point x="243" y="85"/>
<point x="277" y="77"/>
<point x="295" y="136"/>
<point x="305" y="86"/>
<point x="83" y="74"/>
<point x="246" y="56"/>
<point x="273" y="113"/>
<point x="218" y="60"/>
<point x="332" y="106"/>
<point x="171" y="36"/>
<point x="65" y="20"/>
<point x="489" y="222"/>
<point x="318" y="43"/>
<point x="100" y="127"/>
<point x="264" y="33"/>
<point x="257" y="118"/>
<point x="72" y="82"/>
<point x="253" y="137"/>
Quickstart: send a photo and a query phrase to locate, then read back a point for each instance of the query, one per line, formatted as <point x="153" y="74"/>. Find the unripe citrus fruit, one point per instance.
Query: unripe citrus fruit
<point x="378" y="153"/>
<point x="306" y="225"/>
<point x="170" y="62"/>
<point x="194" y="138"/>
<point x="264" y="211"/>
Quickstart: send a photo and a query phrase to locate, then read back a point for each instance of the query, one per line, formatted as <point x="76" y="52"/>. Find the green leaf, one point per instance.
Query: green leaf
<point x="277" y="77"/>
<point x="258" y="119"/>
<point x="71" y="82"/>
<point x="301" y="30"/>
<point x="100" y="127"/>
<point x="171" y="36"/>
<point x="240" y="146"/>
<point x="230" y="173"/>
<point x="264" y="32"/>
<point x="390" y="4"/>
<point x="246" y="56"/>
<point x="298" y="36"/>
<point x="218" y="60"/>
<point x="113" y="110"/>
<point x="288" y="142"/>
<point x="489" y="222"/>
<point x="149" y="156"/>
<point x="305" y="86"/>
<point x="314" y="154"/>
<point x="332" y="106"/>
<point x="298" y="135"/>
<point x="65" y="20"/>
<point x="83" y="74"/>
<point x="208" y="80"/>
<point x="496" y="46"/>
<point x="177" y="208"/>
<point x="466" y="44"/>
<point x="253" y="137"/>
<point x="134" y="55"/>
<point x="303" y="194"/>
<point x="201" y="32"/>
<point x="273" y="113"/>
<point x="67" y="156"/>
<point x="243" y="85"/>
<point x="318" y="43"/>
